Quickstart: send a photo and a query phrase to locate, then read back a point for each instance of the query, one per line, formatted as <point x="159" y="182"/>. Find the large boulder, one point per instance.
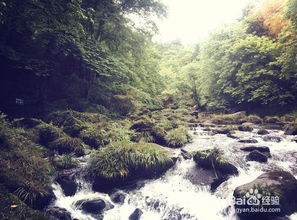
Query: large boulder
<point x="256" y="155"/>
<point x="276" y="189"/>
<point x="214" y="160"/>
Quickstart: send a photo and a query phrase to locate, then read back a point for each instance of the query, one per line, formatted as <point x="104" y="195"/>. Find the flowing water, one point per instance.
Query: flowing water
<point x="183" y="192"/>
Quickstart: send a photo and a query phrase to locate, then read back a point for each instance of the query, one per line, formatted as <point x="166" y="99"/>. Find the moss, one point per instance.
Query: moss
<point x="13" y="208"/>
<point x="121" y="160"/>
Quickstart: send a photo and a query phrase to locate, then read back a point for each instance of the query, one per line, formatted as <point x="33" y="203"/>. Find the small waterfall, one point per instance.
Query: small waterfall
<point x="183" y="192"/>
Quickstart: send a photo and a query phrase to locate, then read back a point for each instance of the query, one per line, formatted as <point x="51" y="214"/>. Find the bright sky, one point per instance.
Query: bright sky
<point x="192" y="20"/>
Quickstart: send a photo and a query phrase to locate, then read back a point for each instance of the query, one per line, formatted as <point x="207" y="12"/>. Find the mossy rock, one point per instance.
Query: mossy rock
<point x="177" y="137"/>
<point x="121" y="162"/>
<point x="13" y="208"/>
<point x="235" y="118"/>
<point x="66" y="145"/>
<point x="272" y="120"/>
<point x="23" y="169"/>
<point x="255" y="119"/>
<point x="214" y="159"/>
<point x="124" y="104"/>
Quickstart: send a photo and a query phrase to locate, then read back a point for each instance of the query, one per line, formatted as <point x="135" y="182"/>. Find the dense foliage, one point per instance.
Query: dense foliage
<point x="79" y="54"/>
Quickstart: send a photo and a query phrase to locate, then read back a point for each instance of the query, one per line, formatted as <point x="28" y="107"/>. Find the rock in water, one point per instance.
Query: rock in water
<point x="66" y="179"/>
<point x="96" y="206"/>
<point x="248" y="141"/>
<point x="262" y="149"/>
<point x="118" y="197"/>
<point x="245" y="128"/>
<point x="136" y="214"/>
<point x="256" y="155"/>
<point x="276" y="189"/>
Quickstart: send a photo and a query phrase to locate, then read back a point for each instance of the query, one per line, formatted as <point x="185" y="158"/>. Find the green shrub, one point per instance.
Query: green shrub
<point x="120" y="160"/>
<point x="177" y="137"/>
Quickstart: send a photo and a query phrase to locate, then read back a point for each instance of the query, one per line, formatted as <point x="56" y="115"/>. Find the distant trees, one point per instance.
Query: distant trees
<point x="250" y="65"/>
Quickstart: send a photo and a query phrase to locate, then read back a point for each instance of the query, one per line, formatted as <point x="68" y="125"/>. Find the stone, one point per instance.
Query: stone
<point x="256" y="155"/>
<point x="136" y="214"/>
<point x="118" y="197"/>
<point x="248" y="141"/>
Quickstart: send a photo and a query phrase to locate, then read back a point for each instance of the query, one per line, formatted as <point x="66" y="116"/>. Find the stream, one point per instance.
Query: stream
<point x="183" y="192"/>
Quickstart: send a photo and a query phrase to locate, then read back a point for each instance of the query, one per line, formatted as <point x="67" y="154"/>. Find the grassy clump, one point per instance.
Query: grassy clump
<point x="23" y="169"/>
<point x="124" y="159"/>
<point x="177" y="137"/>
<point x="66" y="161"/>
